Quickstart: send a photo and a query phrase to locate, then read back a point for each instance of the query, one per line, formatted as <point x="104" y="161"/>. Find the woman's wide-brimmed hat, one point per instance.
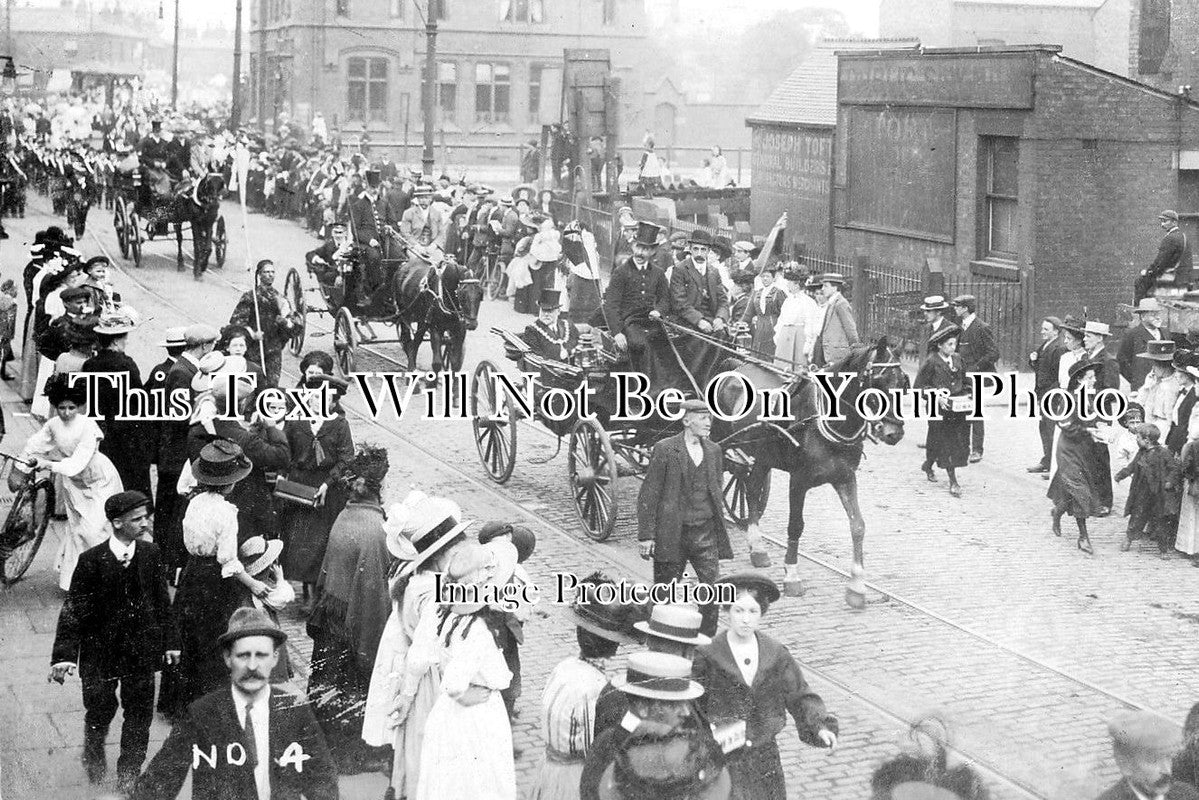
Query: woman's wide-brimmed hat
<point x="430" y="523"/>
<point x="121" y="320"/>
<point x="1159" y="350"/>
<point x="1080" y="368"/>
<point x="658" y="676"/>
<point x="258" y="553"/>
<point x="944" y="334"/>
<point x="547" y="246"/>
<point x="678" y="623"/>
<point x="1072" y="323"/>
<point x="765" y="588"/>
<point x="221" y="463"/>
<point x="524" y="539"/>
<point x="499" y="556"/>
<point x="609" y="621"/>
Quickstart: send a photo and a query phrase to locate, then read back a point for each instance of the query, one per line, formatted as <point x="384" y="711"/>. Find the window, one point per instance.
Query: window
<point x="366" y="89"/>
<point x="447" y="90"/>
<point x="397" y="9"/>
<point x="492" y="89"/>
<point x="522" y="10"/>
<point x="1002" y="155"/>
<point x="343" y="8"/>
<point x="535" y="93"/>
<point x="609" y="12"/>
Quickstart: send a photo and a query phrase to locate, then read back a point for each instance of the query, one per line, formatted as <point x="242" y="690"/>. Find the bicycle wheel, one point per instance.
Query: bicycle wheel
<point x="24" y="529"/>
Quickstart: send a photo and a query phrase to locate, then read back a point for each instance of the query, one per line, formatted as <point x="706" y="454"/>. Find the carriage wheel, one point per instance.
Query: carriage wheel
<point x="220" y="241"/>
<point x="495" y="428"/>
<point x="736" y="490"/>
<point x="344" y="341"/>
<point x="134" y="235"/>
<point x="24" y="529"/>
<point x="293" y="290"/>
<point x="591" y="468"/>
<point x="118" y="224"/>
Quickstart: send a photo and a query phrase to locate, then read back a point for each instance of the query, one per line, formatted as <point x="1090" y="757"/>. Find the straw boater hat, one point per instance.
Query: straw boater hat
<point x="678" y="623"/>
<point x="658" y="676"/>
<point x="1098" y="328"/>
<point x="174" y="337"/>
<point x="499" y="555"/>
<point x="221" y="463"/>
<point x="833" y="277"/>
<point x="430" y="524"/>
<point x="935" y="302"/>
<point x="258" y="553"/>
<point x="1159" y="350"/>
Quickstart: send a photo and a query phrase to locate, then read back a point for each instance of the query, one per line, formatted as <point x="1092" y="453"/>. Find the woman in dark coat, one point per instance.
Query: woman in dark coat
<point x="1074" y="485"/>
<point x="750" y="685"/>
<point x="125" y="441"/>
<point x="948" y="442"/>
<point x="319" y="453"/>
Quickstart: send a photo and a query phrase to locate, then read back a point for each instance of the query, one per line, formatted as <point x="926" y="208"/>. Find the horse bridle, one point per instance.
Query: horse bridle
<point x="870" y="370"/>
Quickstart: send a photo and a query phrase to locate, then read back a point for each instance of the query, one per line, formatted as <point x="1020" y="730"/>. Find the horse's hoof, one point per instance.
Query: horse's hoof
<point x="855" y="599"/>
<point x="760" y="559"/>
<point x="794" y="588"/>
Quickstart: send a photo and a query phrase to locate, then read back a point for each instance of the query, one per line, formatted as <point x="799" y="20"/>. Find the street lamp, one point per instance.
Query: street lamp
<point x="433" y="11"/>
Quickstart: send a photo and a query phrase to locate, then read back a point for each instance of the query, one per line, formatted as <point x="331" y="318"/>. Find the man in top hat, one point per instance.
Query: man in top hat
<point x="153" y="154"/>
<point x="366" y="216"/>
<point x="1045" y="360"/>
<point x="638" y="294"/>
<point x="116" y="627"/>
<point x="979" y="353"/>
<point x="1174" y="253"/>
<point x="1136" y="339"/>
<point x="680" y="515"/>
<point x="550" y="336"/>
<point x="1144" y="746"/>
<point x="839" y="331"/>
<point x="934" y="308"/>
<point x="249" y="740"/>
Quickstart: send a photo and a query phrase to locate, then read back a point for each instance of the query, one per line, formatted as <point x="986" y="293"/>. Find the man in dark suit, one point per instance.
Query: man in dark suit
<point x="979" y="353"/>
<point x="1174" y="253"/>
<point x="199" y="340"/>
<point x="637" y="293"/>
<point x="699" y="300"/>
<point x="1095" y="335"/>
<point x="1135" y="341"/>
<point x="116" y="627"/>
<point x="249" y="741"/>
<point x="550" y="336"/>
<point x="680" y="515"/>
<point x="934" y="308"/>
<point x="367" y="211"/>
<point x="1144" y="746"/>
<point x="1045" y="360"/>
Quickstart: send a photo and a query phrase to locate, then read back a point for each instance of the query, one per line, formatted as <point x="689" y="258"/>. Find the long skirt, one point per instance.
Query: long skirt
<point x="203" y="605"/>
<point x="948" y="441"/>
<point x="306" y="535"/>
<point x="763" y="339"/>
<point x="467" y="752"/>
<point x="1188" y="522"/>
<point x="86" y="524"/>
<point x="558" y="778"/>
<point x="1074" y="485"/>
<point x="337" y="693"/>
<point x="30" y="359"/>
<point x="41" y="404"/>
<point x="584" y="297"/>
<point x="757" y="773"/>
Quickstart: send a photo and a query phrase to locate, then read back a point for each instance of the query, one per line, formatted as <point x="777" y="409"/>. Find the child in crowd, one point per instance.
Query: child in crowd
<point x="1153" y="497"/>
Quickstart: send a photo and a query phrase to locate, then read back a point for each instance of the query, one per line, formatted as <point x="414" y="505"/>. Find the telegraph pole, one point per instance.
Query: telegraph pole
<point x="175" y="62"/>
<point x="235" y="105"/>
<point x="430" y="99"/>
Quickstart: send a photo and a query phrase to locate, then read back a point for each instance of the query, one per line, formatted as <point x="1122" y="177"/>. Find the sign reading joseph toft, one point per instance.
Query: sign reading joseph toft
<point x="1002" y="81"/>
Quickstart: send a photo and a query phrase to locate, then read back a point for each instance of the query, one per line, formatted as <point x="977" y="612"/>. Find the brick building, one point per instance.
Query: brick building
<point x="98" y="43"/>
<point x="1011" y="164"/>
<point x="499" y="68"/>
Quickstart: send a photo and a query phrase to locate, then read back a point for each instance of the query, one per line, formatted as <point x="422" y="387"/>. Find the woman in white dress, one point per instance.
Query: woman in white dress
<point x="790" y="335"/>
<point x="468" y="738"/>
<point x="68" y="445"/>
<point x="424" y="532"/>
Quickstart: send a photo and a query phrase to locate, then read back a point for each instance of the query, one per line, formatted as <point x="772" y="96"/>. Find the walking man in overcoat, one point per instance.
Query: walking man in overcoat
<point x="680" y="515"/>
<point x="116" y="627"/>
<point x="979" y="353"/>
<point x="839" y="332"/>
<point x="1045" y="360"/>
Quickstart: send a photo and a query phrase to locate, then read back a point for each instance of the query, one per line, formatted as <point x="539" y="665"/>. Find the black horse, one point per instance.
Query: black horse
<point x="813" y="448"/>
<point x="442" y="302"/>
<point x="199" y="209"/>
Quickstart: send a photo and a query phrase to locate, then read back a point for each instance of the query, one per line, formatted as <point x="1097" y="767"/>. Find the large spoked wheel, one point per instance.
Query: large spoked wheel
<point x="293" y="290"/>
<point x="118" y="224"/>
<point x="134" y="235"/>
<point x="25" y="528"/>
<point x="494" y="422"/>
<point x="591" y="469"/>
<point x="344" y="341"/>
<point x="220" y="241"/>
<point x="495" y="278"/>
<point x="736" y="487"/>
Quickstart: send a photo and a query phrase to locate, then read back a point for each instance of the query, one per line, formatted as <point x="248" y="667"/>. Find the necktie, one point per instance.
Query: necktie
<point x="251" y="739"/>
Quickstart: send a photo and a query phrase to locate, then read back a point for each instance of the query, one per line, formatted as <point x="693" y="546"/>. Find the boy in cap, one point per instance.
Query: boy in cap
<point x="116" y="627"/>
<point x="1153" y="497"/>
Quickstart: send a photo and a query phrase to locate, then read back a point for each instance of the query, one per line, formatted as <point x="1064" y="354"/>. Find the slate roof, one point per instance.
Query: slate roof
<point x="809" y="95"/>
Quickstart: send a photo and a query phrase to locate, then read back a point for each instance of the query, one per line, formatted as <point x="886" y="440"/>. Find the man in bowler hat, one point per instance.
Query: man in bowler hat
<point x="116" y="628"/>
<point x="247" y="741"/>
<point x="1144" y="746"/>
<point x="680" y="514"/>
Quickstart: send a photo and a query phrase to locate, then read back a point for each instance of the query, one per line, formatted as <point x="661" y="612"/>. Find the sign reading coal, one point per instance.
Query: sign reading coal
<point x="1000" y="81"/>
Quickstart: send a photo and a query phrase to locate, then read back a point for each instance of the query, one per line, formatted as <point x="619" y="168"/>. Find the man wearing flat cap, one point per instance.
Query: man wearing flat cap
<point x="1173" y="254"/>
<point x="1144" y="746"/>
<point x="248" y="740"/>
<point x="116" y="627"/>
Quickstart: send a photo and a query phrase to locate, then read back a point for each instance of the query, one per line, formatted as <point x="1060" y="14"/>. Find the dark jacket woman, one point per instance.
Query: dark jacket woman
<point x="948" y="442"/>
<point x="268" y="450"/>
<point x="316" y="459"/>
<point x="125" y="442"/>
<point x="778" y="688"/>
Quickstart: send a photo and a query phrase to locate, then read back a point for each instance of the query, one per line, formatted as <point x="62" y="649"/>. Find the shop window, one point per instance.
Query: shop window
<point x="447" y="90"/>
<point x="535" y="93"/>
<point x="366" y="89"/>
<point x="522" y="10"/>
<point x="492" y="92"/>
<point x="1002" y="203"/>
<point x="397" y="8"/>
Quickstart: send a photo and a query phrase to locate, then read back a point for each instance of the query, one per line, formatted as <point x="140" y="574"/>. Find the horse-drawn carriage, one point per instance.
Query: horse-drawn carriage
<point x="424" y="294"/>
<point x="140" y="214"/>
<point x="814" y="446"/>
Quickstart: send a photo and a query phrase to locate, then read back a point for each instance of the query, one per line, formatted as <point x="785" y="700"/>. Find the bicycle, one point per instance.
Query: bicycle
<point x="30" y="508"/>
